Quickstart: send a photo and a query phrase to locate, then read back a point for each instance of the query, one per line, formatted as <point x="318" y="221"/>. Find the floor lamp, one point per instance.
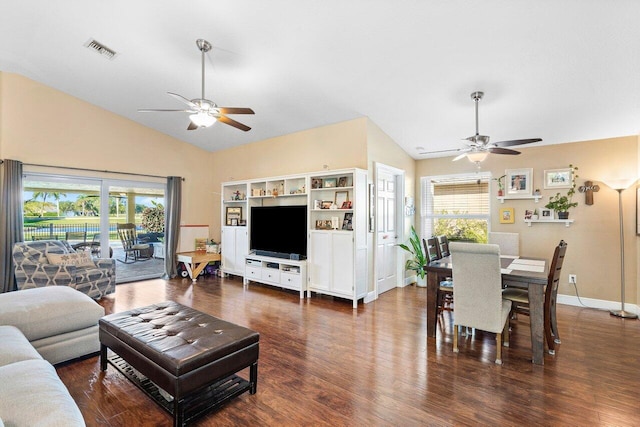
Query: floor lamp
<point x="620" y="186"/>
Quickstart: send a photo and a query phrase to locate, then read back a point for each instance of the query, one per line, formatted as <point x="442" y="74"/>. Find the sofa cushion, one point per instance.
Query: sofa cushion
<point x="48" y="311"/>
<point x="15" y="347"/>
<point x="33" y="395"/>
<point x="79" y="259"/>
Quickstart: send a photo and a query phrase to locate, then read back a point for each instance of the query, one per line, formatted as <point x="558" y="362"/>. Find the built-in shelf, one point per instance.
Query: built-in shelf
<point x="566" y="222"/>
<point x="503" y="198"/>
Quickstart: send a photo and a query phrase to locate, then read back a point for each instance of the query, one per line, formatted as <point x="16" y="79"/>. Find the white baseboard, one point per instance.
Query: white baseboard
<point x="596" y="303"/>
<point x="371" y="296"/>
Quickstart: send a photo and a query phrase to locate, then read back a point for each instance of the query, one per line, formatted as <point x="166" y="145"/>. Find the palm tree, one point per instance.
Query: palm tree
<point x="87" y="203"/>
<point x="44" y="194"/>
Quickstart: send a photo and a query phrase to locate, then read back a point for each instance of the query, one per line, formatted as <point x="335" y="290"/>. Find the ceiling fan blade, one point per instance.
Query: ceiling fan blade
<point x="516" y="142"/>
<point x="231" y="122"/>
<point x="184" y="100"/>
<point x="235" y="110"/>
<point x="151" y="110"/>
<point x="498" y="150"/>
<point x="192" y="126"/>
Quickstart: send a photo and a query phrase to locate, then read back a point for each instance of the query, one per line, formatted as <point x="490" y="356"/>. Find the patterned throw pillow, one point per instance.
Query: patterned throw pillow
<point x="79" y="259"/>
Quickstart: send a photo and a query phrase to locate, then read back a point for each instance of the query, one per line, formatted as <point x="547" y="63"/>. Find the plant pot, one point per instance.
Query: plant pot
<point x="563" y="215"/>
<point x="534" y="217"/>
<point x="421" y="282"/>
<point x="500" y="193"/>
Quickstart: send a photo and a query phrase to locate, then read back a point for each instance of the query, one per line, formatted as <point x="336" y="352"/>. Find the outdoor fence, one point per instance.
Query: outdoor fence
<point x="59" y="231"/>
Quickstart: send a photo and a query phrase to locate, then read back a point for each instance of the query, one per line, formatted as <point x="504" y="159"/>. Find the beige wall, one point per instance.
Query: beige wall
<point x="44" y="126"/>
<point x="338" y="146"/>
<point x="593" y="238"/>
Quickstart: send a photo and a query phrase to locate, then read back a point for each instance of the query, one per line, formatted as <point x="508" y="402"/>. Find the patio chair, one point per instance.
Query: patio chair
<point x="132" y="248"/>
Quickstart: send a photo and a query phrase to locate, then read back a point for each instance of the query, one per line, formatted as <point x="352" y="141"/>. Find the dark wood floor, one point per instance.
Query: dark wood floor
<point x="323" y="363"/>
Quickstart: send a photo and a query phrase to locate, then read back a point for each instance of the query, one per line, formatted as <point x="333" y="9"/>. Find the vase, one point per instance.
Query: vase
<point x="563" y="215"/>
<point x="421" y="282"/>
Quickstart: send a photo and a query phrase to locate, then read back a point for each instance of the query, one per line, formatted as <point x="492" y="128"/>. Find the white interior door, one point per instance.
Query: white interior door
<point x="387" y="231"/>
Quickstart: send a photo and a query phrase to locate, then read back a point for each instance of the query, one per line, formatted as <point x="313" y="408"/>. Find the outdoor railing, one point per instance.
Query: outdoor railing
<point x="59" y="231"/>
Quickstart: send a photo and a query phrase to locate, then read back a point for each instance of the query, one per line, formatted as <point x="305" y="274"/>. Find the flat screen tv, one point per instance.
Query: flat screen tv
<point x="279" y="231"/>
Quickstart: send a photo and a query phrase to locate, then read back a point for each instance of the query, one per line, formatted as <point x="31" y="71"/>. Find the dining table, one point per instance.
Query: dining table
<point x="521" y="272"/>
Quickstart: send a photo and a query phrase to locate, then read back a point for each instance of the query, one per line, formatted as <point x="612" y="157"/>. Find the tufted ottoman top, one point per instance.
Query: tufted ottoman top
<point x="178" y="338"/>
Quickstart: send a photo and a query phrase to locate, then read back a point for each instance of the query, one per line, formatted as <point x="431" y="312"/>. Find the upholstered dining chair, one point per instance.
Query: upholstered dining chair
<point x="478" y="292"/>
<point x="132" y="247"/>
<point x="509" y="242"/>
<point x="520" y="298"/>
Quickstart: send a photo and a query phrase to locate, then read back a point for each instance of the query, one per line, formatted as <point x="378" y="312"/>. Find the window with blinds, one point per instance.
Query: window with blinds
<point x="456" y="205"/>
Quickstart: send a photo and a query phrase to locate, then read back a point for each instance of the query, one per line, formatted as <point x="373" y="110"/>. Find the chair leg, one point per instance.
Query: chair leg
<point x="498" y="349"/>
<point x="554" y="324"/>
<point x="548" y="334"/>
<point x="455" y="338"/>
<point x="505" y="333"/>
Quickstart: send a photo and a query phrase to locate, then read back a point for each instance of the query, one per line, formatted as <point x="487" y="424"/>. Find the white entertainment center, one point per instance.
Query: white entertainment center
<point x="336" y="232"/>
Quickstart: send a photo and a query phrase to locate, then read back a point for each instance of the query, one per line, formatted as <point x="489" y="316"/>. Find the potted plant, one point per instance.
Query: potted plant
<point x="562" y="203"/>
<point x="535" y="215"/>
<point x="418" y="260"/>
<point x="500" y="182"/>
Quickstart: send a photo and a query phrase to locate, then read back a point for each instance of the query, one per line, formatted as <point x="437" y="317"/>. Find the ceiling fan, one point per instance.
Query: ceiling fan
<point x="479" y="147"/>
<point x="203" y="112"/>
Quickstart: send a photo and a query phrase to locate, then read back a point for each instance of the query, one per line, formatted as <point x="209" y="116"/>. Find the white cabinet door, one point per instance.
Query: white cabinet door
<point x="228" y="253"/>
<point x="235" y="243"/>
<point x="320" y="261"/>
<point x="342" y="262"/>
<point x="241" y="249"/>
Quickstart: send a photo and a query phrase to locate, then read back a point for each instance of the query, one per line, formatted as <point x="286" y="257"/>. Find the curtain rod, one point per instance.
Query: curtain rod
<point x="93" y="170"/>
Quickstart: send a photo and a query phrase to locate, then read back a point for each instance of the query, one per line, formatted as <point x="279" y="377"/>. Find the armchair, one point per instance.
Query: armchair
<point x="96" y="278"/>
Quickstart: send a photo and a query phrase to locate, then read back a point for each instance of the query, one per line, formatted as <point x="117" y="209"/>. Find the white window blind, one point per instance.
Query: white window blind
<point x="454" y="197"/>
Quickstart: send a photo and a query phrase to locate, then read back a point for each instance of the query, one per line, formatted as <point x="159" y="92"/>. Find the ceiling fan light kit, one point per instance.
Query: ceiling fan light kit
<point x="479" y="147"/>
<point x="203" y="112"/>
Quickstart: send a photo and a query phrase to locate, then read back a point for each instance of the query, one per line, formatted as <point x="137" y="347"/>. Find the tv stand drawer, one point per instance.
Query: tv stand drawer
<point x="271" y="275"/>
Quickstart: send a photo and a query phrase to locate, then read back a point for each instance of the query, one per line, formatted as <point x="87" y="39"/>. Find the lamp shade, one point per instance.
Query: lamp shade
<point x="477" y="157"/>
<point x="202" y="119"/>
<point x="619" y="183"/>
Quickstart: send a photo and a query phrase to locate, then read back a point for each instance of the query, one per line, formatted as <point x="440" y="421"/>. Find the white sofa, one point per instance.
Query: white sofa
<point x="31" y="393"/>
<point x="38" y="328"/>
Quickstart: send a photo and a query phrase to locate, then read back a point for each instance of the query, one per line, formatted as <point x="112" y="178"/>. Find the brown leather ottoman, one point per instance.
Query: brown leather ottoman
<point x="188" y="354"/>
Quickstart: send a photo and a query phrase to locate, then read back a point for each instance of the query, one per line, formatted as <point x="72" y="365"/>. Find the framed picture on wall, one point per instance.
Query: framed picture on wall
<point x="557" y="178"/>
<point x="507" y="216"/>
<point x="519" y="182"/>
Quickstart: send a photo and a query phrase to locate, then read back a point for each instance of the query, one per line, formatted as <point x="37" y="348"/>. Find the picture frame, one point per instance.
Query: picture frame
<point x="528" y="214"/>
<point x="343" y="181"/>
<point x="317" y="204"/>
<point x="557" y="178"/>
<point x="347" y="223"/>
<point x="346" y="205"/>
<point x="341" y="197"/>
<point x="329" y="183"/>
<point x="233" y="215"/>
<point x="326" y="204"/>
<point x="546" y="214"/>
<point x="519" y="182"/>
<point x="507" y="216"/>
<point x="323" y="224"/>
<point x="316" y="183"/>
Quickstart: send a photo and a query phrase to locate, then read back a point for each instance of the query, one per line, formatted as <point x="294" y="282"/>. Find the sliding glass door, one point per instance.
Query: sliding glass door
<point x="86" y="211"/>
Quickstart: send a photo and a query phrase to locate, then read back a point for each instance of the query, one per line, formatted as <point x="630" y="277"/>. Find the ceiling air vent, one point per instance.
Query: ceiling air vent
<point x="98" y="47"/>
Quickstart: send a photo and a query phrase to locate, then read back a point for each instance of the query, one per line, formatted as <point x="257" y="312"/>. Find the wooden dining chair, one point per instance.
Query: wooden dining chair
<point x="445" y="290"/>
<point x="478" y="292"/>
<point x="520" y="298"/>
<point x="443" y="245"/>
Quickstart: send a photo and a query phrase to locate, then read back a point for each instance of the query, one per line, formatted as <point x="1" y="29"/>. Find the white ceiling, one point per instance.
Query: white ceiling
<point x="563" y="71"/>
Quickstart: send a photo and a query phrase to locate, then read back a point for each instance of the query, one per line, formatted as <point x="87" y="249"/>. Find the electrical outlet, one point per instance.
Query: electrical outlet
<point x="573" y="278"/>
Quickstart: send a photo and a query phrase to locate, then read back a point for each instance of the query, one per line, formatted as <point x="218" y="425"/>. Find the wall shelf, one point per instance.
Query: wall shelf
<point x="503" y="198"/>
<point x="567" y="222"/>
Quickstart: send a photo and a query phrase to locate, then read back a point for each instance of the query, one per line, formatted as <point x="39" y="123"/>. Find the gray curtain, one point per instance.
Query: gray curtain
<point x="173" y="207"/>
<point x="11" y="220"/>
